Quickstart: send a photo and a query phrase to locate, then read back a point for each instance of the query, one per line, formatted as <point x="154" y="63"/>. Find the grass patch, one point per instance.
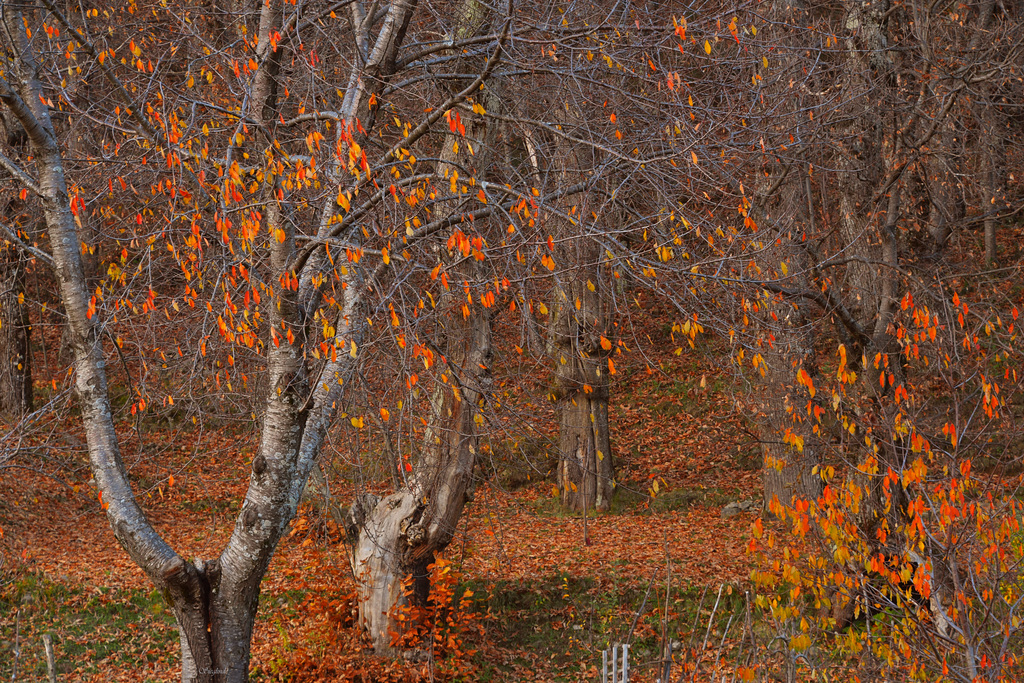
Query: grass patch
<point x="564" y="618"/>
<point x="92" y="629"/>
<point x="633" y="496"/>
<point x="512" y="464"/>
<point x="684" y="499"/>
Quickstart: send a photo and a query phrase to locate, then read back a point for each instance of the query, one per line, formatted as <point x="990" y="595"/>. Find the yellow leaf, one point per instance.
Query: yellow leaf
<point x="693" y="155"/>
<point x="352" y="351"/>
<point x="707" y="47"/>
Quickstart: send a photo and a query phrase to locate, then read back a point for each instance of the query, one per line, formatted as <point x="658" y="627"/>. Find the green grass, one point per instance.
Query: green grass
<point x="632" y="496"/>
<point x="564" y="618"/>
<point x="93" y="629"/>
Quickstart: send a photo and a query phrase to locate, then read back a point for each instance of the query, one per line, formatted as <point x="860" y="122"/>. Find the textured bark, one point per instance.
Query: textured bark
<point x="994" y="162"/>
<point x="862" y="161"/>
<point x="15" y="349"/>
<point x="789" y="475"/>
<point x="214" y="601"/>
<point x="579" y="320"/>
<point x="585" y="466"/>
<point x="15" y="331"/>
<point x="394" y="539"/>
<point x="946" y="204"/>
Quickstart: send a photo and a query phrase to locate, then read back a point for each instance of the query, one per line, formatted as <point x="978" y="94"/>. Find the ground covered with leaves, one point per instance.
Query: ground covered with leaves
<point x="530" y="592"/>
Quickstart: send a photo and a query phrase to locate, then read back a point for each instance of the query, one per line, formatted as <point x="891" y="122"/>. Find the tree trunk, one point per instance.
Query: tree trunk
<point x="580" y="349"/>
<point x="214" y="625"/>
<point x="578" y="324"/>
<point x="16" y="357"/>
<point x="946" y="205"/>
<point x="994" y="161"/>
<point x="394" y="539"/>
<point x="789" y="475"/>
<point x="384" y="533"/>
<point x="585" y="465"/>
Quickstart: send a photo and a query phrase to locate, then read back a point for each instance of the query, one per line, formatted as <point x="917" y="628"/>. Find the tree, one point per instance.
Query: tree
<point x="282" y="250"/>
<point x="16" y="364"/>
<point x="395" y="538"/>
<point x="254" y="251"/>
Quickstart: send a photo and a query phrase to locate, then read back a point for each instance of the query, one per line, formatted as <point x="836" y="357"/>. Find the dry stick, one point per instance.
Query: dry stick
<point x="636" y="617"/>
<point x="586" y="540"/>
<point x="17" y="649"/>
<point x="51" y="669"/>
<point x="694" y="629"/>
<point x="711" y="620"/>
<point x="666" y="647"/>
<point x="721" y="645"/>
<point x="748" y="627"/>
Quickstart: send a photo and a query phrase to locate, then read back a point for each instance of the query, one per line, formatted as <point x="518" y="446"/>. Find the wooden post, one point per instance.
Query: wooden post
<point x="51" y="669"/>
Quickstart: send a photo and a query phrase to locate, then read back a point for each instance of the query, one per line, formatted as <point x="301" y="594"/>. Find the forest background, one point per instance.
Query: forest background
<point x="462" y="341"/>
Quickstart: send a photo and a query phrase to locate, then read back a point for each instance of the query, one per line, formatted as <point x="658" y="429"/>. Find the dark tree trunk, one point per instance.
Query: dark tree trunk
<point x="946" y="206"/>
<point x="16" y="354"/>
<point x="585" y="467"/>
<point x="215" y="623"/>
<point x="789" y="475"/>
<point x="578" y="325"/>
<point x="580" y="349"/>
<point x="994" y="162"/>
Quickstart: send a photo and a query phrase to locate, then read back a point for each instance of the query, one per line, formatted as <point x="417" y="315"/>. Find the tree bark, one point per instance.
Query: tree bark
<point x="394" y="539"/>
<point x="946" y="205"/>
<point x="579" y="322"/>
<point x="994" y="161"/>
<point x="16" y="355"/>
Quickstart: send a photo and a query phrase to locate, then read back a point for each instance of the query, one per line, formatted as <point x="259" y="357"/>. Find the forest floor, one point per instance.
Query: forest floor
<point x="542" y="592"/>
